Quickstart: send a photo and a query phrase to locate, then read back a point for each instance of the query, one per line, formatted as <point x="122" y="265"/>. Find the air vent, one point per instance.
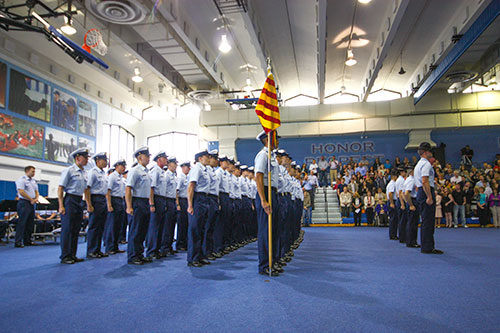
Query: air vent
<point x="118" y="12"/>
<point x="201" y="95"/>
<point x="462" y="76"/>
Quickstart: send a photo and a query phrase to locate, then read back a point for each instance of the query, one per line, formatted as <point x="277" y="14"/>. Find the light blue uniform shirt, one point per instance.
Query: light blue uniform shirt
<point x="199" y="175"/>
<point x="224" y="180"/>
<point x="261" y="167"/>
<point x="423" y="169"/>
<point x="230" y="181"/>
<point x="244" y="186"/>
<point x="74" y="180"/>
<point x="399" y="185"/>
<point x="281" y="181"/>
<point x="182" y="185"/>
<point x="171" y="184"/>
<point x="116" y="185"/>
<point x="214" y="181"/>
<point x="391" y="188"/>
<point x="97" y="182"/>
<point x="409" y="185"/>
<point x="27" y="184"/>
<point x="236" y="187"/>
<point x="140" y="182"/>
<point x="158" y="181"/>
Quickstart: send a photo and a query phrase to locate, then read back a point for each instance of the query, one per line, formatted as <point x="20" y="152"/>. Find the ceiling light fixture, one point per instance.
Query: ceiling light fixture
<point x="224" y="46"/>
<point x="402" y="70"/>
<point x="248" y="87"/>
<point x="350" y="61"/>
<point x="68" y="28"/>
<point x="137" y="78"/>
<point x="364" y="2"/>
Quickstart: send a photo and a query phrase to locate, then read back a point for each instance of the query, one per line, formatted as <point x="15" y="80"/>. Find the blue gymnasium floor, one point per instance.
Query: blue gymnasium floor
<point x="341" y="279"/>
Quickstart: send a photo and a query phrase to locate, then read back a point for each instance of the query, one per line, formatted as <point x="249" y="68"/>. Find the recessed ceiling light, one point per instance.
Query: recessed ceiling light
<point x="224" y="46"/>
<point x="350" y="61"/>
<point x="364" y="1"/>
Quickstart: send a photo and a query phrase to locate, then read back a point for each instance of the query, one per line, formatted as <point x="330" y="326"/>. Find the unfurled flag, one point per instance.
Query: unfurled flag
<point x="267" y="107"/>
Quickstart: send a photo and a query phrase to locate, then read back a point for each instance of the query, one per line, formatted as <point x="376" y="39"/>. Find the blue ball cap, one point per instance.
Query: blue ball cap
<point x="251" y="169"/>
<point x="142" y="151"/>
<point x="223" y="158"/>
<point x="159" y="154"/>
<point x="214" y="153"/>
<point x="244" y="167"/>
<point x="120" y="162"/>
<point x="100" y="156"/>
<point x="186" y="163"/>
<point x="80" y="152"/>
<point x="111" y="170"/>
<point x="172" y="159"/>
<point x="200" y="154"/>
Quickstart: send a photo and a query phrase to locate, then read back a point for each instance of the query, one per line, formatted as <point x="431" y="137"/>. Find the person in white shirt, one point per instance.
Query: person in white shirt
<point x="393" y="216"/>
<point x="313" y="166"/>
<point x="333" y="169"/>
<point x="456" y="179"/>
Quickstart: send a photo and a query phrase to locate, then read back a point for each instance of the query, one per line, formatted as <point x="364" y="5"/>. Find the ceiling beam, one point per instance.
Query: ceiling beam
<point x="321" y="40"/>
<point x="389" y="29"/>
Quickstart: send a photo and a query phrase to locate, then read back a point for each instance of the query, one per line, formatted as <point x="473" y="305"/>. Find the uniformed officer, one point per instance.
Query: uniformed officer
<point x="253" y="196"/>
<point x="171" y="215"/>
<point x="73" y="182"/>
<point x="424" y="180"/>
<point x="237" y="208"/>
<point x="27" y="192"/>
<point x="262" y="203"/>
<point x="246" y="204"/>
<point x="137" y="199"/>
<point x="116" y="208"/>
<point x="198" y="187"/>
<point x="222" y="229"/>
<point x="97" y="188"/>
<point x="411" y="209"/>
<point x="126" y="217"/>
<point x="158" y="202"/>
<point x="391" y="197"/>
<point x="401" y="205"/>
<point x="213" y="207"/>
<point x="232" y="195"/>
<point x="182" y="217"/>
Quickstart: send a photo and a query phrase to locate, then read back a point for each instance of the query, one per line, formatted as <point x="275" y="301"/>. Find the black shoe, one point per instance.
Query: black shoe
<point x="162" y="254"/>
<point x="210" y="257"/>
<point x="413" y="245"/>
<point x="172" y="252"/>
<point x="76" y="259"/>
<point x="30" y="244"/>
<point x="103" y="255"/>
<point x="266" y="272"/>
<point x="120" y="251"/>
<point x="278" y="269"/>
<point x="181" y="249"/>
<point x="402" y="241"/>
<point x="195" y="264"/>
<point x="68" y="261"/>
<point x="217" y="255"/>
<point x="205" y="262"/>
<point x="110" y="253"/>
<point x="123" y="242"/>
<point x="156" y="256"/>
<point x="136" y="261"/>
<point x="393" y="238"/>
<point x="434" y="251"/>
<point x="18" y="245"/>
<point x="147" y="260"/>
<point x="95" y="255"/>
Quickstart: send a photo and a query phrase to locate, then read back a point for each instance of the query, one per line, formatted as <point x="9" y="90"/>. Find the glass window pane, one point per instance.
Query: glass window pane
<point x="103" y="145"/>
<point x="130" y="148"/>
<point x="114" y="146"/>
<point x="122" y="143"/>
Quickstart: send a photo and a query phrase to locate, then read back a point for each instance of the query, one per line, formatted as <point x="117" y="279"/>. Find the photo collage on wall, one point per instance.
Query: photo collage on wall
<point x="40" y="120"/>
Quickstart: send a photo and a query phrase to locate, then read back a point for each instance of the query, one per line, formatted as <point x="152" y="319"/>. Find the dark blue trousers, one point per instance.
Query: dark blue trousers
<point x="114" y="224"/>
<point x="393" y="221"/>
<point x="402" y="221"/>
<point x="138" y="228"/>
<point x="412" y="225"/>
<point x="26" y="221"/>
<point x="428" y="216"/>
<point x="226" y="217"/>
<point x="237" y="221"/>
<point x="168" y="231"/>
<point x="182" y="225"/>
<point x="125" y="223"/>
<point x="283" y="226"/>
<point x="247" y="216"/>
<point x="196" y="225"/>
<point x="71" y="222"/>
<point x="262" y="235"/>
<point x="208" y="230"/>
<point x="156" y="226"/>
<point x="219" y="226"/>
<point x="97" y="220"/>
<point x="289" y="223"/>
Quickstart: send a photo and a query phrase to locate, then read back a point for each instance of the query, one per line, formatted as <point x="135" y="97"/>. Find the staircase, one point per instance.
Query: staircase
<point x="327" y="208"/>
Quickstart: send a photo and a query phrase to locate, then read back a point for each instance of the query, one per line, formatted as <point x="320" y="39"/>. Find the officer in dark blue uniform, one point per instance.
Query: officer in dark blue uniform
<point x="97" y="188"/>
<point x="198" y="187"/>
<point x="27" y="192"/>
<point x="171" y="214"/>
<point x="159" y="201"/>
<point x="213" y="208"/>
<point x="73" y="182"/>
<point x="126" y="217"/>
<point x="411" y="208"/>
<point x="137" y="196"/>
<point x="182" y="217"/>
<point x="262" y="203"/>
<point x="116" y="207"/>
<point x="222" y="226"/>
<point x="426" y="198"/>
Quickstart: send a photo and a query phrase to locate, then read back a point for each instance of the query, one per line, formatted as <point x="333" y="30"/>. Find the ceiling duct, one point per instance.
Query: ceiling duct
<point x="118" y="12"/>
<point x="461" y="76"/>
<point x="202" y="95"/>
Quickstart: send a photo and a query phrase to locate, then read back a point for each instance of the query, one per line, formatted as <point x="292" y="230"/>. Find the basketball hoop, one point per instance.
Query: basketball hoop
<point x="93" y="40"/>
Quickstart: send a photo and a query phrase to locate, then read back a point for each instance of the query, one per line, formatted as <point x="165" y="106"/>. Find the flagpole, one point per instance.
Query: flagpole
<point x="270" y="200"/>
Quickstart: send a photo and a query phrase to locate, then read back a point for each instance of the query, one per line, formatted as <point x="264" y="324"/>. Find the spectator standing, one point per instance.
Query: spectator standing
<point x="27" y="192"/>
<point x="307" y="208"/>
<point x="467" y="154"/>
<point x="459" y="202"/>
<point x="482" y="207"/>
<point x="313" y="166"/>
<point x="494" y="203"/>
<point x="439" y="209"/>
<point x="313" y="181"/>
<point x="345" y="202"/>
<point x="333" y="168"/>
<point x="369" y="203"/>
<point x="469" y="196"/>
<point x="447" y="204"/>
<point x="456" y="178"/>
<point x="323" y="171"/>
<point x="357" y="206"/>
<point x="387" y="165"/>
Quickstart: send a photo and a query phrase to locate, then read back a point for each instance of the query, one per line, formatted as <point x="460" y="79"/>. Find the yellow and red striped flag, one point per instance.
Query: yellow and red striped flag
<point x="267" y="107"/>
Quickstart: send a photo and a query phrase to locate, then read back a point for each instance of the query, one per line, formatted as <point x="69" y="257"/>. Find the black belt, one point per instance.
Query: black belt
<point x="117" y="198"/>
<point x="213" y="196"/>
<point x="98" y="195"/>
<point x="139" y="198"/>
<point x="182" y="198"/>
<point x="201" y="193"/>
<point x="223" y="193"/>
<point x="160" y="196"/>
<point x="273" y="189"/>
<point x="245" y="196"/>
<point x="170" y="199"/>
<point x="74" y="195"/>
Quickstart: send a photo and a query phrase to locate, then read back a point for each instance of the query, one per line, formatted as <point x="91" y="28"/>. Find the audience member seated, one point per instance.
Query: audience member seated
<point x="369" y="202"/>
<point x="381" y="212"/>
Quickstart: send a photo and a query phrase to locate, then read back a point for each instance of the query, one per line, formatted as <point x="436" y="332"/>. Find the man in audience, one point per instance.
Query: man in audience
<point x="27" y="192"/>
<point x="323" y="171"/>
<point x="459" y="202"/>
<point x="456" y="179"/>
<point x="345" y="202"/>
<point x="334" y="164"/>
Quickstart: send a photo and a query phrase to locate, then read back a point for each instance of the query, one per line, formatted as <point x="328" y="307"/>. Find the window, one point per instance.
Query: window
<point x="181" y="145"/>
<point x="118" y="142"/>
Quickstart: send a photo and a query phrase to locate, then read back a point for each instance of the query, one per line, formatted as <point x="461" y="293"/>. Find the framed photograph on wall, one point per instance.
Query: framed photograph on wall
<point x="65" y="110"/>
<point x="29" y="96"/>
<point x="87" y="143"/>
<point x="3" y="84"/>
<point x="59" y="145"/>
<point x="20" y="137"/>
<point x="87" y="115"/>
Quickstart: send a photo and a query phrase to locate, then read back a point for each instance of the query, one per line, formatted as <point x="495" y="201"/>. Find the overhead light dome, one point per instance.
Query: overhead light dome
<point x="350" y="61"/>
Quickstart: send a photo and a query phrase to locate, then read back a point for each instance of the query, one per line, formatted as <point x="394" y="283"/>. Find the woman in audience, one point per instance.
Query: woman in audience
<point x="381" y="210"/>
<point x="381" y="196"/>
<point x="482" y="207"/>
<point x="397" y="162"/>
<point x="345" y="202"/>
<point x="357" y="206"/>
<point x="439" y="210"/>
<point x="369" y="202"/>
<point x="494" y="204"/>
<point x="447" y="204"/>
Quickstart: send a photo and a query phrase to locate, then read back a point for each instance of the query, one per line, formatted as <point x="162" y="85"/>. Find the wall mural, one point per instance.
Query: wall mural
<point x="30" y="106"/>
